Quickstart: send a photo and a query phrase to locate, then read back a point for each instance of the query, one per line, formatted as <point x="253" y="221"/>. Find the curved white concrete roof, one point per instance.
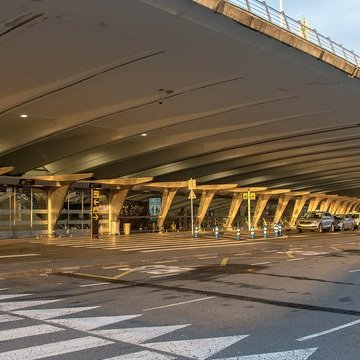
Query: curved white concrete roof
<point x="218" y="101"/>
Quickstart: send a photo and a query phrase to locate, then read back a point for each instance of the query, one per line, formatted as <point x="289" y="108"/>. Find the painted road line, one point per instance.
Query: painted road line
<point x="45" y="314"/>
<point x="12" y="296"/>
<point x="90" y="323"/>
<point x="356" y="322"/>
<point x="271" y="251"/>
<point x="10" y="306"/>
<point x="196" y="348"/>
<point x="261" y="263"/>
<point x="137" y="335"/>
<point x="301" y="354"/>
<point x="142" y="355"/>
<point x="7" y="318"/>
<point x="352" y="271"/>
<point x="180" y="303"/>
<point x="16" y="256"/>
<point x="19" y="333"/>
<point x="55" y="348"/>
<point x="196" y="247"/>
<point x="165" y="275"/>
<point x="206" y="257"/>
<point x="165" y="261"/>
<point x="242" y="254"/>
<point x="297" y="259"/>
<point x="224" y="261"/>
<point x="95" y="284"/>
<point x="4" y="288"/>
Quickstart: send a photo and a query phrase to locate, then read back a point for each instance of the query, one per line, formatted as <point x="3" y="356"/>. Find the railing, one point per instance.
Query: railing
<point x="297" y="27"/>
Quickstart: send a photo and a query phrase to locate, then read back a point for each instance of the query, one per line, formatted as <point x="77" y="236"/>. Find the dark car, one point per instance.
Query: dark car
<point x="343" y="222"/>
<point x="316" y="221"/>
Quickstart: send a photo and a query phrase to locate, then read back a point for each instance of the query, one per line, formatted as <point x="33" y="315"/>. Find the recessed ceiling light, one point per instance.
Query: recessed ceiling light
<point x="23" y="115"/>
<point x="143" y="134"/>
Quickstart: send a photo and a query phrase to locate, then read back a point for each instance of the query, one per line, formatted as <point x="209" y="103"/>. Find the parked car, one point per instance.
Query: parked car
<point x="343" y="222"/>
<point x="316" y="221"/>
<point x="356" y="217"/>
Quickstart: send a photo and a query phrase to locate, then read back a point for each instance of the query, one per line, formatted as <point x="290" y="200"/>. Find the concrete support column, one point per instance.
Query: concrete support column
<point x="341" y="209"/>
<point x="56" y="199"/>
<point x="325" y="204"/>
<point x="260" y="206"/>
<point x="314" y="202"/>
<point x="234" y="208"/>
<point x="299" y="204"/>
<point x="334" y="206"/>
<point x="350" y="206"/>
<point x="206" y="198"/>
<point x="167" y="199"/>
<point x="282" y="204"/>
<point x="117" y="198"/>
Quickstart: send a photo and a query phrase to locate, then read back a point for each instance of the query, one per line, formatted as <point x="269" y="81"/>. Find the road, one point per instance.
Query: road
<point x="280" y="299"/>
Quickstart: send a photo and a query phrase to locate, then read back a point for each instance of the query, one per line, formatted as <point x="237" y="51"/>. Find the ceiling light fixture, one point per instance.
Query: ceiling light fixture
<point x="24" y="116"/>
<point x="143" y="134"/>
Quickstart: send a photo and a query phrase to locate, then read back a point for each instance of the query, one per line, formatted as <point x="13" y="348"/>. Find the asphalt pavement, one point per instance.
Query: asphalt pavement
<point x="170" y="296"/>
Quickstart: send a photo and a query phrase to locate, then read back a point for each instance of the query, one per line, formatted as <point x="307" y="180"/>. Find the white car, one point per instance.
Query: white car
<point x="356" y="218"/>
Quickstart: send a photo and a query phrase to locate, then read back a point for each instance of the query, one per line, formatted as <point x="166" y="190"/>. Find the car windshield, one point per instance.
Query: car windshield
<point x="338" y="217"/>
<point x="312" y="215"/>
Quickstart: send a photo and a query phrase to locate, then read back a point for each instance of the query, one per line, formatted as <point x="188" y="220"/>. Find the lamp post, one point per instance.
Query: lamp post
<point x="281" y="9"/>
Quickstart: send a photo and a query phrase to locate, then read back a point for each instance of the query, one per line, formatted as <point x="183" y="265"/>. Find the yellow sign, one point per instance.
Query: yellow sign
<point x="192" y="184"/>
<point x="192" y="195"/>
<point x="252" y="196"/>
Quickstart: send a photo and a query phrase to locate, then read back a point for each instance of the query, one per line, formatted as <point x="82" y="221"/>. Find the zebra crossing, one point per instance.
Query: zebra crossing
<point x="51" y="331"/>
<point x="145" y="243"/>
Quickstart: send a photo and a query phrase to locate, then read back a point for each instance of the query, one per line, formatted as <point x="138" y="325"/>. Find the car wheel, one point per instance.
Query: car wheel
<point x="299" y="230"/>
<point x="342" y="227"/>
<point x="321" y="229"/>
<point x="332" y="228"/>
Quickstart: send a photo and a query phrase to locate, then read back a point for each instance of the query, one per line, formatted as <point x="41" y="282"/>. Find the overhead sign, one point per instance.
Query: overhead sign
<point x="192" y="195"/>
<point x="192" y="184"/>
<point x="95" y="214"/>
<point x="252" y="196"/>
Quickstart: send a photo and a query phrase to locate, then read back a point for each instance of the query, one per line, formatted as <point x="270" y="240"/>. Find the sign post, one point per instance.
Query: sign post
<point x="192" y="196"/>
<point x="249" y="196"/>
<point x="95" y="213"/>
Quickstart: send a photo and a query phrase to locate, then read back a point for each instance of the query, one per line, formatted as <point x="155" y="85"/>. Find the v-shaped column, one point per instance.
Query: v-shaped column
<point x="299" y="204"/>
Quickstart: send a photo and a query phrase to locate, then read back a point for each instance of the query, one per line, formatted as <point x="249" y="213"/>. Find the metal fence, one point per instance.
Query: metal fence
<point x="297" y="27"/>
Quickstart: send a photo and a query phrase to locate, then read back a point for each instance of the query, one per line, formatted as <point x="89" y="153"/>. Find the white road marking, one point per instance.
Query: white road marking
<point x="12" y="296"/>
<point x="86" y="324"/>
<point x="142" y="355"/>
<point x="17" y="255"/>
<point x="18" y="333"/>
<point x="9" y="306"/>
<point x="297" y="259"/>
<point x="352" y="271"/>
<point x="356" y="322"/>
<point x="44" y="314"/>
<point x="165" y="275"/>
<point x="180" y="303"/>
<point x="242" y="254"/>
<point x="196" y="348"/>
<point x="270" y="251"/>
<point x="302" y="354"/>
<point x="261" y="263"/>
<point x="55" y="348"/>
<point x="206" y="257"/>
<point x="7" y="318"/>
<point x="137" y="335"/>
<point x="165" y="261"/>
<point x="95" y="284"/>
<point x="4" y="288"/>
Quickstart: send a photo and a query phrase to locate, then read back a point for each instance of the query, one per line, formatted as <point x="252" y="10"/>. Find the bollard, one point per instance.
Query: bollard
<point x="216" y="232"/>
<point x="237" y="233"/>
<point x="276" y="233"/>
<point x="265" y="231"/>
<point x="196" y="232"/>
<point x="279" y="230"/>
<point x="252" y="232"/>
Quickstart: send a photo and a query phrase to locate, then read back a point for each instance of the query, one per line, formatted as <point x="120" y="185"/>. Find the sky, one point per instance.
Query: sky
<point x="339" y="19"/>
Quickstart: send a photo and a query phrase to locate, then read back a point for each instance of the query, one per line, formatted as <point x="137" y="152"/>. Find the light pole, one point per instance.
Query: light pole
<point x="281" y="9"/>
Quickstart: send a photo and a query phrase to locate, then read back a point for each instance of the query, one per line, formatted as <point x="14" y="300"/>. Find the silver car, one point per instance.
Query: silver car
<point x="343" y="222"/>
<point x="316" y="221"/>
<point x="356" y="217"/>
